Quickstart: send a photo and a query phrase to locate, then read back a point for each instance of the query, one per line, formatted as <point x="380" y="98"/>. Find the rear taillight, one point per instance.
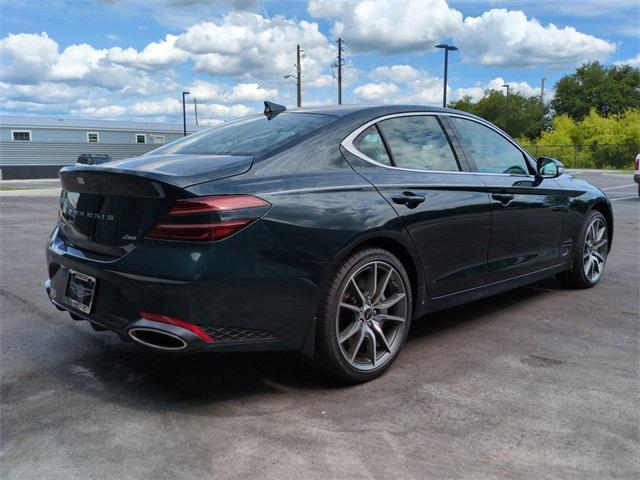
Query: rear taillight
<point x="209" y="218"/>
<point x="636" y="164"/>
<point x="217" y="203"/>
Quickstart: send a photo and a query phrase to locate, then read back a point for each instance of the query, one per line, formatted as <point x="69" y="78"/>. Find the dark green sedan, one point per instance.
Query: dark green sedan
<point x="324" y="231"/>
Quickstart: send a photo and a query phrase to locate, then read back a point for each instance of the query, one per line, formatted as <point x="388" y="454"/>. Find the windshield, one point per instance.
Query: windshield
<point x="247" y="136"/>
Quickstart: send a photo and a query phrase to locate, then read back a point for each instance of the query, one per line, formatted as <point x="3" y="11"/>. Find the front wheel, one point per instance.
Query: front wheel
<point x="364" y="316"/>
<point x="590" y="254"/>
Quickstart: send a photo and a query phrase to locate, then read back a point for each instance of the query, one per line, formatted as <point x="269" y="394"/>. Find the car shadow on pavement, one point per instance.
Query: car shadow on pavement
<point x="469" y="312"/>
<point x="138" y="378"/>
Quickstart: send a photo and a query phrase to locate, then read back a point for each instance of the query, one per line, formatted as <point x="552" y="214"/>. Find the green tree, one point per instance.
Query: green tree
<point x="526" y="117"/>
<point x="595" y="141"/>
<point x="610" y="90"/>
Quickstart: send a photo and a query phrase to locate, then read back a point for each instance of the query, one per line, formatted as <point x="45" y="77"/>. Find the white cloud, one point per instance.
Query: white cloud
<point x="477" y="91"/>
<point x="376" y="91"/>
<point x="240" y="92"/>
<point x="26" y="57"/>
<point x="211" y="122"/>
<point x="155" y="55"/>
<point x="101" y="112"/>
<point x="498" y="37"/>
<point x="407" y="85"/>
<point x="250" y="92"/>
<point x="389" y="26"/>
<point x="247" y="45"/>
<point x="76" y="62"/>
<point x="395" y="73"/>
<point x="166" y="106"/>
<point x="205" y="91"/>
<point x="404" y="84"/>
<point x="45" y="93"/>
<point x="632" y="62"/>
<point x="508" y="38"/>
<point x="217" y="110"/>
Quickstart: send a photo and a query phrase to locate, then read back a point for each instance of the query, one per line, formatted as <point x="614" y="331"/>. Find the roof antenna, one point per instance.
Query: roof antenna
<point x="272" y="109"/>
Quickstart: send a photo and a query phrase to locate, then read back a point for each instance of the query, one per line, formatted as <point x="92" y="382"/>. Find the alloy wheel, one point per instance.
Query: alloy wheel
<point x="594" y="254"/>
<point x="371" y="316"/>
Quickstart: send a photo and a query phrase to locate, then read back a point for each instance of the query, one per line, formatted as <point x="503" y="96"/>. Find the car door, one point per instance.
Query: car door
<point x="526" y="211"/>
<point x="410" y="160"/>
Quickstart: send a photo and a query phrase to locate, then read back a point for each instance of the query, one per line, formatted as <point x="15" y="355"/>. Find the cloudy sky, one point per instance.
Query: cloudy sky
<point x="130" y="60"/>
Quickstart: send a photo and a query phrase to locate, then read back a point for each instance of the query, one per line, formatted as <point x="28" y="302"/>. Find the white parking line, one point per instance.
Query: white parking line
<point x="623" y="198"/>
<point x="621" y="186"/>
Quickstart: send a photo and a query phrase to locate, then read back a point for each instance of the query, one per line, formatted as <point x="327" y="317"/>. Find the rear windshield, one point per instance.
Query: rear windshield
<point x="248" y="136"/>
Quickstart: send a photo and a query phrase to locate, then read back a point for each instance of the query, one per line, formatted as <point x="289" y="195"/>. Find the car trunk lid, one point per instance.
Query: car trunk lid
<point x="107" y="209"/>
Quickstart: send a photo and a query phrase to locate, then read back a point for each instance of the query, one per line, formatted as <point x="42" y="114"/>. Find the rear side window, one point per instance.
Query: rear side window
<point x="491" y="152"/>
<point x="370" y="143"/>
<point x="418" y="142"/>
<point x="248" y="136"/>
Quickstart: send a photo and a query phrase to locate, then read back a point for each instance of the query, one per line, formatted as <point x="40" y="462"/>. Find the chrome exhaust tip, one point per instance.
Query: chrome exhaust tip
<point x="158" y="339"/>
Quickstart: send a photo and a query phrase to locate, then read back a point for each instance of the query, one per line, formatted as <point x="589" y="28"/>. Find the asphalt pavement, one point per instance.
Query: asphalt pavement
<point x="541" y="382"/>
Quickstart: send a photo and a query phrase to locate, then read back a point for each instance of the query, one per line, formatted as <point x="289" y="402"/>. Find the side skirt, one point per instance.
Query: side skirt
<point x="447" y="301"/>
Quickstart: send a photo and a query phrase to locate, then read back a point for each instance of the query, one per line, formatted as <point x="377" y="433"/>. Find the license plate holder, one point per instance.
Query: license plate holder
<point x="80" y="291"/>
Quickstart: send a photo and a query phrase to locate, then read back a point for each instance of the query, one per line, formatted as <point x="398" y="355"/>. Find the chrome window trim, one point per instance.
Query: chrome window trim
<point x="347" y="143"/>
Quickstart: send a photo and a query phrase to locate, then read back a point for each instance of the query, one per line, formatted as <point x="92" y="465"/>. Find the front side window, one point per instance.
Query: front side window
<point x="248" y="136"/>
<point x="141" y="138"/>
<point x="491" y="152"/>
<point x="370" y="143"/>
<point x="21" y="136"/>
<point x="419" y="143"/>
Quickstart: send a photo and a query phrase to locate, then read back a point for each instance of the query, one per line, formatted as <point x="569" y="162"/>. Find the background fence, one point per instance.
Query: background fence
<point x="590" y="156"/>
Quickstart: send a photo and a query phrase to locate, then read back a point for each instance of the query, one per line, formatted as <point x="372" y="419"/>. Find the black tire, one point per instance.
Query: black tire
<point x="329" y="356"/>
<point x="576" y="277"/>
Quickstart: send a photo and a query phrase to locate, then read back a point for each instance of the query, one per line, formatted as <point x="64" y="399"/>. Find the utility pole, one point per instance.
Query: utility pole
<point x="195" y="108"/>
<point x="339" y="65"/>
<point x="506" y="108"/>
<point x="542" y="91"/>
<point x="184" y="114"/>
<point x="298" y="76"/>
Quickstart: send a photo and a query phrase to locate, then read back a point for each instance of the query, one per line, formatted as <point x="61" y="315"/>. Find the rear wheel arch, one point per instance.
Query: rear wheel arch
<point x="401" y="250"/>
<point x="605" y="209"/>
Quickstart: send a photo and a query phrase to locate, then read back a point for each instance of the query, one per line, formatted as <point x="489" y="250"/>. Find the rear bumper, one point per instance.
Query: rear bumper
<point x="183" y="339"/>
<point x="243" y="299"/>
<point x="636" y="177"/>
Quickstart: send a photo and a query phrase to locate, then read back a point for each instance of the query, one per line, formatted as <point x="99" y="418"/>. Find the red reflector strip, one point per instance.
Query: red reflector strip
<point x="178" y="323"/>
<point x="198" y="232"/>
<point x="216" y="203"/>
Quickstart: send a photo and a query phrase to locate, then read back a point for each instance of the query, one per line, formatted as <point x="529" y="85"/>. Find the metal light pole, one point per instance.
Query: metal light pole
<point x="506" y="107"/>
<point x="299" y="76"/>
<point x="184" y="114"/>
<point x="195" y="108"/>
<point x="447" y="48"/>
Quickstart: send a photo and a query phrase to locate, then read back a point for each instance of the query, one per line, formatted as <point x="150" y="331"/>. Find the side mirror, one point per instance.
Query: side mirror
<point x="549" y="168"/>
